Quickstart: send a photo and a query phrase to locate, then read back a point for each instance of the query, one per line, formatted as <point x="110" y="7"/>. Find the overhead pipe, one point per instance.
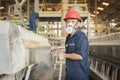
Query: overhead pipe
<point x="19" y="5"/>
<point x="22" y="2"/>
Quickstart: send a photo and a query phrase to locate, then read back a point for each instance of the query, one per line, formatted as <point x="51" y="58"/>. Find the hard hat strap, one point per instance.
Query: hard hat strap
<point x="75" y="25"/>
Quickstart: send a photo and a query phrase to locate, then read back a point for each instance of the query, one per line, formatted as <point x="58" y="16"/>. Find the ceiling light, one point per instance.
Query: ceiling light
<point x="105" y="3"/>
<point x="113" y="19"/>
<point x="25" y="19"/>
<point x="91" y="18"/>
<point x="92" y="15"/>
<point x="1" y="7"/>
<point x="100" y="8"/>
<point x="96" y="12"/>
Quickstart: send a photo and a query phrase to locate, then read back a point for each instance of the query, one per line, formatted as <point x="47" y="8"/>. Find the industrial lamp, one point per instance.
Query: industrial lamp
<point x="1" y="7"/>
<point x="100" y="8"/>
<point x="105" y="3"/>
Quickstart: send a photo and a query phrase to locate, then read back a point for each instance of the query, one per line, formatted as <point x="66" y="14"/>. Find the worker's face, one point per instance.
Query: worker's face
<point x="71" y="25"/>
<point x="75" y="22"/>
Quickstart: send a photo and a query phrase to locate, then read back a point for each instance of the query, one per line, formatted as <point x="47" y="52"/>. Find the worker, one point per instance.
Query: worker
<point x="76" y="46"/>
<point x="32" y="21"/>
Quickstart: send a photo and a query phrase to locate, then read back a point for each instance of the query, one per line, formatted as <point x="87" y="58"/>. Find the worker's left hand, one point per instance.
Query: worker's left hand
<point x="62" y="55"/>
<point x="53" y="50"/>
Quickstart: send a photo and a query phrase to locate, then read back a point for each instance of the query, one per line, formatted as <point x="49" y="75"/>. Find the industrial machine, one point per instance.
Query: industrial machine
<point x="104" y="57"/>
<point x="21" y="51"/>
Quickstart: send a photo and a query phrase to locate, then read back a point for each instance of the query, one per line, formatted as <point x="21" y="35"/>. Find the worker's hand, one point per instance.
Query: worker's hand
<point x="62" y="55"/>
<point x="53" y="50"/>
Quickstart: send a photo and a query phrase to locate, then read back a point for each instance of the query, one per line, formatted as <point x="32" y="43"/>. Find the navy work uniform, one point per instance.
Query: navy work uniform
<point x="32" y="22"/>
<point x="77" y="69"/>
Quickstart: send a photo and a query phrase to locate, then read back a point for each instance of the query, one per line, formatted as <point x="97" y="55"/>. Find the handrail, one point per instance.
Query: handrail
<point x="50" y="7"/>
<point x="57" y="7"/>
<point x="77" y="2"/>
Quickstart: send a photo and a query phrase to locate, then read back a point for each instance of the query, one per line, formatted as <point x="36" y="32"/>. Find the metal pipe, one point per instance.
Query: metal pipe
<point x="60" y="71"/>
<point x="88" y="25"/>
<point x="22" y="2"/>
<point x="28" y="8"/>
<point x="16" y="1"/>
<point x="20" y="11"/>
<point x="36" y="5"/>
<point x="96" y="32"/>
<point x="9" y="12"/>
<point x="0" y="10"/>
<point x="28" y="71"/>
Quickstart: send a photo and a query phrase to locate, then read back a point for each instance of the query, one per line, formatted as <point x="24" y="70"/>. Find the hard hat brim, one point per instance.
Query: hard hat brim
<point x="72" y="18"/>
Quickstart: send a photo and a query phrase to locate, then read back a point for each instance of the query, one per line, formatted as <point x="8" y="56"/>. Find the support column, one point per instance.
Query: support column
<point x="6" y="7"/>
<point x="64" y="11"/>
<point x="96" y="32"/>
<point x="58" y="28"/>
<point x="88" y="25"/>
<point x="36" y="5"/>
<point x="0" y="6"/>
<point x="28" y="8"/>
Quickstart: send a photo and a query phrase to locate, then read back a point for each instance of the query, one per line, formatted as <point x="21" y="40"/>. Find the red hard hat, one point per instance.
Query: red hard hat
<point x="72" y="14"/>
